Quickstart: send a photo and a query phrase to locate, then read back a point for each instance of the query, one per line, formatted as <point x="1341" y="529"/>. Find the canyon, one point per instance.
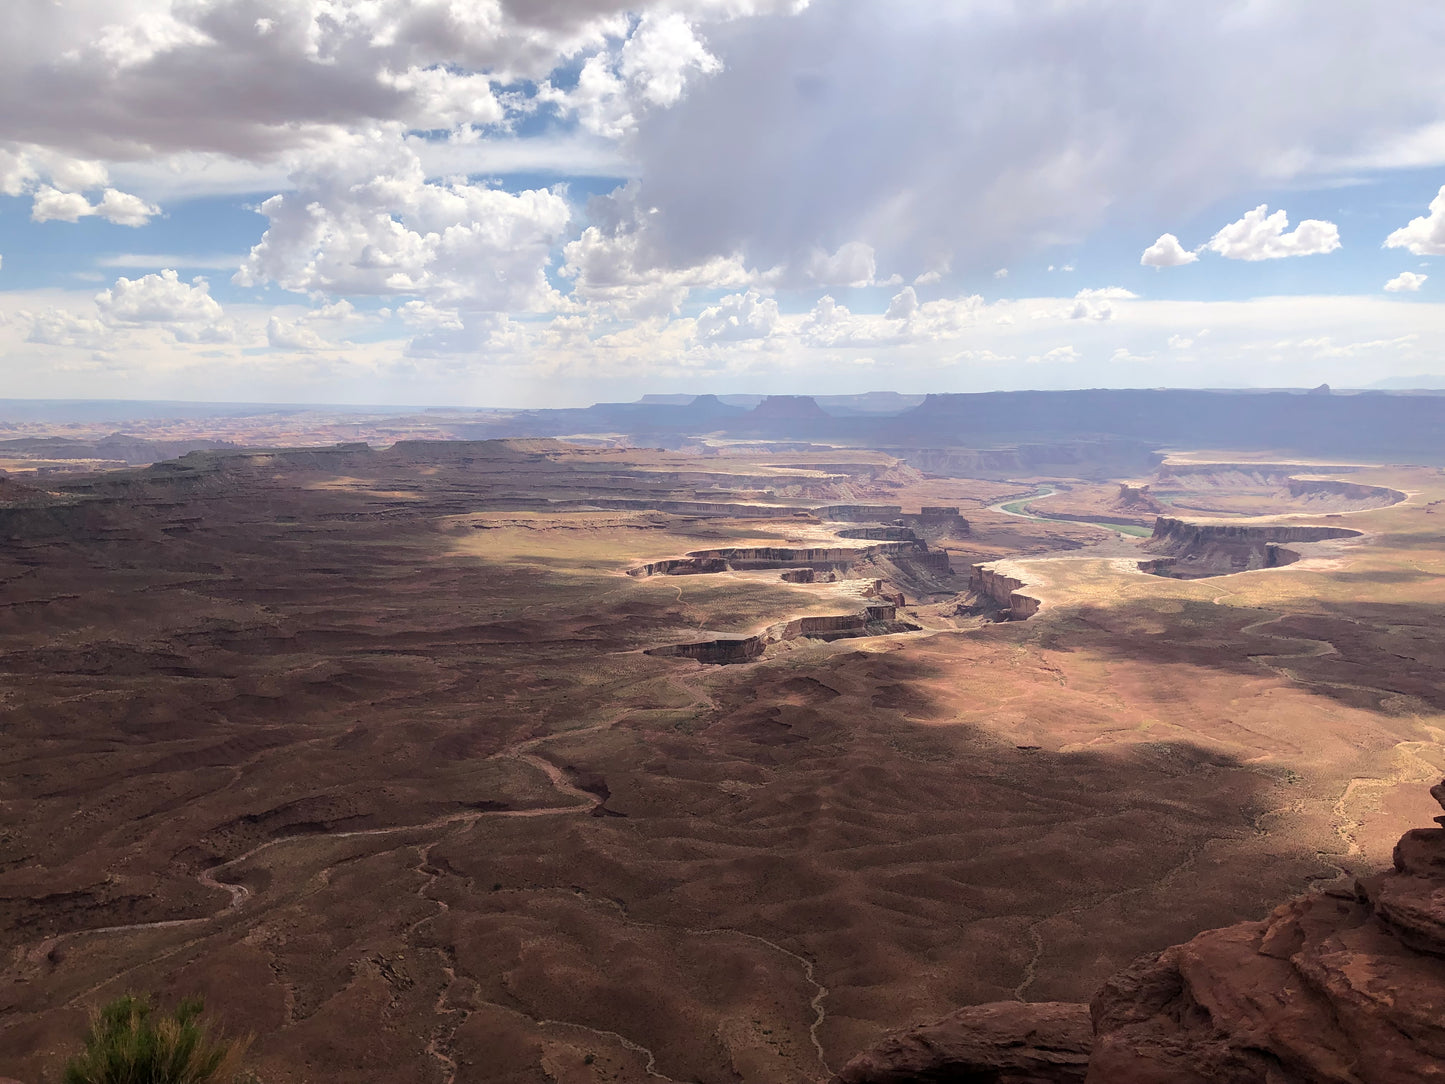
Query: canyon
<point x="420" y="755"/>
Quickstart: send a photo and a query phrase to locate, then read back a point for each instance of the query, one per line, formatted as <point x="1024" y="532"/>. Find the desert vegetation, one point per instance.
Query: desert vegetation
<point x="131" y="1041"/>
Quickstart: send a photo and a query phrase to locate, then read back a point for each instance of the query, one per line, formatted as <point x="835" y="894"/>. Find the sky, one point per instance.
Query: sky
<point x="501" y="203"/>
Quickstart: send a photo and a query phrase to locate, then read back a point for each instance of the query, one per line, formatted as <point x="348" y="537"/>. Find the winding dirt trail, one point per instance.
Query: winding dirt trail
<point x="239" y="893"/>
<point x="1346" y="825"/>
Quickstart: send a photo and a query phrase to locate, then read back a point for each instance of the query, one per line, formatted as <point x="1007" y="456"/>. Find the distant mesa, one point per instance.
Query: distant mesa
<point x="1194" y="551"/>
<point x="789" y="408"/>
<point x="710" y="406"/>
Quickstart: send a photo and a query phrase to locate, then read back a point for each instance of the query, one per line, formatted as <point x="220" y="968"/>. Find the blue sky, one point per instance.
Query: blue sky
<point x="499" y="203"/>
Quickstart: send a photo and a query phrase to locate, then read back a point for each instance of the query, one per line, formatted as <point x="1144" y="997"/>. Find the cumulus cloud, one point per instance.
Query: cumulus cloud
<point x="1406" y="282"/>
<point x="59" y="327"/>
<point x="1260" y="235"/>
<point x="51" y="204"/>
<point x="1122" y="355"/>
<point x="853" y="264"/>
<point x="907" y="322"/>
<point x="365" y="220"/>
<point x="1065" y="355"/>
<point x="186" y="310"/>
<point x="738" y="317"/>
<point x="658" y="57"/>
<point x="1424" y="236"/>
<point x="903" y="305"/>
<point x="613" y="265"/>
<point x="293" y="335"/>
<point x="650" y="69"/>
<point x="1093" y="304"/>
<point x="1167" y="252"/>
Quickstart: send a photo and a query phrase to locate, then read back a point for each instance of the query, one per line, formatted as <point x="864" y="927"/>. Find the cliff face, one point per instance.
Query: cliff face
<point x="1178" y="532"/>
<point x="1005" y="590"/>
<point x="1196" y="550"/>
<point x="1338" y="987"/>
<point x="1077" y="458"/>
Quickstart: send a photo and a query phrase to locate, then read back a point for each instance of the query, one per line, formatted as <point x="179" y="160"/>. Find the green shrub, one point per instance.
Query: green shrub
<point x="131" y="1042"/>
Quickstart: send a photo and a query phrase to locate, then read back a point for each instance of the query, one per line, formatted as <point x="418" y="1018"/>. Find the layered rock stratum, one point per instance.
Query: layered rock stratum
<point x="1341" y="986"/>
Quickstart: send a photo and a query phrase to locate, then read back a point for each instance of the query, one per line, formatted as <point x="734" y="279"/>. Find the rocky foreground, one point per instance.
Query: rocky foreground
<point x="1337" y="987"/>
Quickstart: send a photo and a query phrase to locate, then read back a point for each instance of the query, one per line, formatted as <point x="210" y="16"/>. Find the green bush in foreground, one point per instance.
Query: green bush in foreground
<point x="131" y="1042"/>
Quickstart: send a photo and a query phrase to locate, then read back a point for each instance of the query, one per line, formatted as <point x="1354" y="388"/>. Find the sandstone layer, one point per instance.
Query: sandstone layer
<point x="1195" y="550"/>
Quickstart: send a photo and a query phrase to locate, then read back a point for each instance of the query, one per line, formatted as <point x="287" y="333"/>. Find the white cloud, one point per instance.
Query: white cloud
<point x="1324" y="346"/>
<point x="984" y="357"/>
<point x="1088" y="305"/>
<point x="614" y="266"/>
<point x="51" y="204"/>
<point x="903" y="305"/>
<point x="1260" y="235"/>
<point x="1180" y="342"/>
<point x="1406" y="282"/>
<point x="366" y="221"/>
<point x="650" y="70"/>
<point x="1001" y="273"/>
<point x="60" y="327"/>
<point x="1122" y="356"/>
<point x="1065" y="355"/>
<point x="293" y="335"/>
<point x="853" y="264"/>
<point x="186" y="310"/>
<point x="658" y="57"/>
<point x="124" y="209"/>
<point x="1424" y="236"/>
<point x="1167" y="252"/>
<point x="738" y="317"/>
<point x="906" y="323"/>
<point x="1107" y="293"/>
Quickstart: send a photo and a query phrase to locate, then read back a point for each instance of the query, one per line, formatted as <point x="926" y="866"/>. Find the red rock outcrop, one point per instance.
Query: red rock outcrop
<point x="1004" y="590"/>
<point x="1336" y="987"/>
<point x="1008" y="1042"/>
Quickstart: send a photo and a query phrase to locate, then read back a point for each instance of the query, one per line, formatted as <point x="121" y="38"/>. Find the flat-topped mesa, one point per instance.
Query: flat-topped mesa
<point x="1196" y="550"/>
<point x="879" y="617"/>
<point x="1169" y="529"/>
<point x="935" y="521"/>
<point x="789" y="408"/>
<point x="859" y="513"/>
<point x="1284" y="478"/>
<point x="880" y="534"/>
<point x="724" y="651"/>
<point x="1335" y="987"/>
<point x="681" y="566"/>
<point x="821" y="558"/>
